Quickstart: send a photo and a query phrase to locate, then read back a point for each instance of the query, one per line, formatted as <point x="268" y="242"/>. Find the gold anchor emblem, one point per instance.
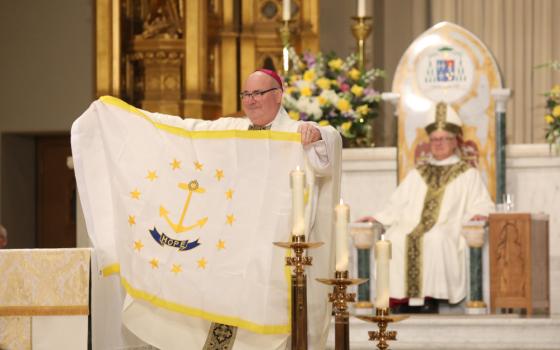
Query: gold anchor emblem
<point x="191" y="187"/>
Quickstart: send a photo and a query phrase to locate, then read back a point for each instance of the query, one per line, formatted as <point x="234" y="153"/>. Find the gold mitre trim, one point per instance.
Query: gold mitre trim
<point x="441" y="122"/>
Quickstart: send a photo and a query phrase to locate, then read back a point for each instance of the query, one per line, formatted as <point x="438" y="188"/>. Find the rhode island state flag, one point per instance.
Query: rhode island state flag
<point x="186" y="211"/>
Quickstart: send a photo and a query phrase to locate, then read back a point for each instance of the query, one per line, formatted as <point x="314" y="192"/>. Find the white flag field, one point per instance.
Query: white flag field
<point x="187" y="214"/>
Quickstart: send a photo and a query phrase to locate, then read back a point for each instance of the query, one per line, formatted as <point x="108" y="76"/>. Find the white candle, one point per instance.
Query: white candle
<point x="342" y="217"/>
<point x="298" y="182"/>
<point x="382" y="257"/>
<point x="361" y="8"/>
<point x="286" y="13"/>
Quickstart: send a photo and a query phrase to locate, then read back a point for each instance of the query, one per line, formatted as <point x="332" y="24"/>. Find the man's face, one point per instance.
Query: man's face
<point x="262" y="98"/>
<point x="442" y="144"/>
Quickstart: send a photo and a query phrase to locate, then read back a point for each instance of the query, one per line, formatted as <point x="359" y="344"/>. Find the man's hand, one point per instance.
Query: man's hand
<point x="367" y="219"/>
<point x="479" y="218"/>
<point x="309" y="133"/>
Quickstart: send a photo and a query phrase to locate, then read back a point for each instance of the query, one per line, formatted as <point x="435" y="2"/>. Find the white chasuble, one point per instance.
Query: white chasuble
<point x="186" y="212"/>
<point x="443" y="248"/>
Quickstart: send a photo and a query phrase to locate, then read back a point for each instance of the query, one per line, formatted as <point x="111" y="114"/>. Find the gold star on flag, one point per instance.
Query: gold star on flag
<point x="198" y="166"/>
<point x="151" y="175"/>
<point x="176" y="268"/>
<point x="219" y="174"/>
<point x="135" y="194"/>
<point x="155" y="263"/>
<point x="230" y="219"/>
<point x="175" y="164"/>
<point x="202" y="263"/>
<point x="131" y="220"/>
<point x="221" y="245"/>
<point x="138" y="245"/>
<point x="229" y="194"/>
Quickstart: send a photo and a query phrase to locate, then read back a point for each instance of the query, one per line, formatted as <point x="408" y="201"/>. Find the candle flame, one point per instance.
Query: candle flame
<point x="341" y="201"/>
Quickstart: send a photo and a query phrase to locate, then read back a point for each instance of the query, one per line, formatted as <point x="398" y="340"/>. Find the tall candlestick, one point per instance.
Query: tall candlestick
<point x="286" y="10"/>
<point x="361" y="8"/>
<point x="342" y="217"/>
<point x="298" y="183"/>
<point x="382" y="257"/>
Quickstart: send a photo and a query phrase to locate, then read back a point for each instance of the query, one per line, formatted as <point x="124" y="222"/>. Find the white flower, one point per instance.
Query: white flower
<point x="330" y="96"/>
<point x="309" y="106"/>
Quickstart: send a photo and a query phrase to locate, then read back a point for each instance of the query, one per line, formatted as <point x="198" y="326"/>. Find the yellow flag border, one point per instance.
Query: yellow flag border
<point x="115" y="268"/>
<point x="204" y="134"/>
<point x="191" y="311"/>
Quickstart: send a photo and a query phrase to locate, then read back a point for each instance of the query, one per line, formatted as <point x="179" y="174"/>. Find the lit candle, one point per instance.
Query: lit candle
<point x="382" y="257"/>
<point x="286" y="13"/>
<point x="342" y="215"/>
<point x="361" y="8"/>
<point x="298" y="182"/>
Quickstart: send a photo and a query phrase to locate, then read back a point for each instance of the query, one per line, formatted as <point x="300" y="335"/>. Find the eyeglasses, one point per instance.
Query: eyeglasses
<point x="442" y="139"/>
<point x="256" y="95"/>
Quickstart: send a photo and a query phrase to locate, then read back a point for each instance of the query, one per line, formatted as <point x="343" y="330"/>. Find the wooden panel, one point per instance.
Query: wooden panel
<point x="56" y="194"/>
<point x="518" y="262"/>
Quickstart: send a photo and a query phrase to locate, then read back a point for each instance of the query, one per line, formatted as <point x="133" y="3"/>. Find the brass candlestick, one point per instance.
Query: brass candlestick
<point x="285" y="32"/>
<point x="382" y="318"/>
<point x="361" y="30"/>
<point x="340" y="299"/>
<point x="299" y="287"/>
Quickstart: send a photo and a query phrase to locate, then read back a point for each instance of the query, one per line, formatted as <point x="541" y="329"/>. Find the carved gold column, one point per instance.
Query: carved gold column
<point x="161" y="60"/>
<point x="197" y="104"/>
<point x="107" y="46"/>
<point x="229" y="61"/>
<point x="248" y="39"/>
<point x="310" y="25"/>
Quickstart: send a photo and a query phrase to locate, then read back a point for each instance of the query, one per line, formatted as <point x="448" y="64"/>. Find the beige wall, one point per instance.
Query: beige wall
<point x="46" y="63"/>
<point x="46" y="81"/>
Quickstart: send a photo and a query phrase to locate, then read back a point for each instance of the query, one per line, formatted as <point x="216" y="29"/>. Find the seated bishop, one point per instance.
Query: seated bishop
<point x="425" y="215"/>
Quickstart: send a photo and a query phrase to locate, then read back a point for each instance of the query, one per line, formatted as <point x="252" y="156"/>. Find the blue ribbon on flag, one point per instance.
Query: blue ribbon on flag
<point x="181" y="246"/>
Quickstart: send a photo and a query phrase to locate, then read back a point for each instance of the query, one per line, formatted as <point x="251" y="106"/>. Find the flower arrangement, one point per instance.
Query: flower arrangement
<point x="331" y="91"/>
<point x="552" y="117"/>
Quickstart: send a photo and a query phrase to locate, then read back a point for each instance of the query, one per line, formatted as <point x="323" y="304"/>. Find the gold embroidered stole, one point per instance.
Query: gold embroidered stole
<point x="220" y="337"/>
<point x="436" y="178"/>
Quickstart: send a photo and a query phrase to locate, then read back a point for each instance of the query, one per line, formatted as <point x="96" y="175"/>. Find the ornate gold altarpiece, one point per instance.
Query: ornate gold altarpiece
<point x="190" y="58"/>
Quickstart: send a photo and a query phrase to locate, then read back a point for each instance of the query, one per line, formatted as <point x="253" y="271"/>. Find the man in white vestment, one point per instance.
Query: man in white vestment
<point x="261" y="99"/>
<point x="425" y="215"/>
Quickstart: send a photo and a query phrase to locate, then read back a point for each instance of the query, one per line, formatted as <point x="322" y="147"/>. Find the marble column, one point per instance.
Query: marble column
<point x="501" y="96"/>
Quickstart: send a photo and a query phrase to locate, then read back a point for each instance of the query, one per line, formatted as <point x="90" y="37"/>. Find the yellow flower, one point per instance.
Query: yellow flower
<point x="343" y="105"/>
<point x="294" y="115"/>
<point x="354" y="74"/>
<point x="556" y="111"/>
<point x="324" y="123"/>
<point x="555" y="91"/>
<point x="294" y="78"/>
<point x="357" y="90"/>
<point x="334" y="82"/>
<point x="323" y="83"/>
<point x="290" y="90"/>
<point x="363" y="109"/>
<point x="322" y="101"/>
<point x="335" y="64"/>
<point x="309" y="75"/>
<point x="346" y="126"/>
<point x="305" y="91"/>
<point x="549" y="119"/>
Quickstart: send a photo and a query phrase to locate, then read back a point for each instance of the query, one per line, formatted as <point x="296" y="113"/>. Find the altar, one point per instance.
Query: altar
<point x="370" y="176"/>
